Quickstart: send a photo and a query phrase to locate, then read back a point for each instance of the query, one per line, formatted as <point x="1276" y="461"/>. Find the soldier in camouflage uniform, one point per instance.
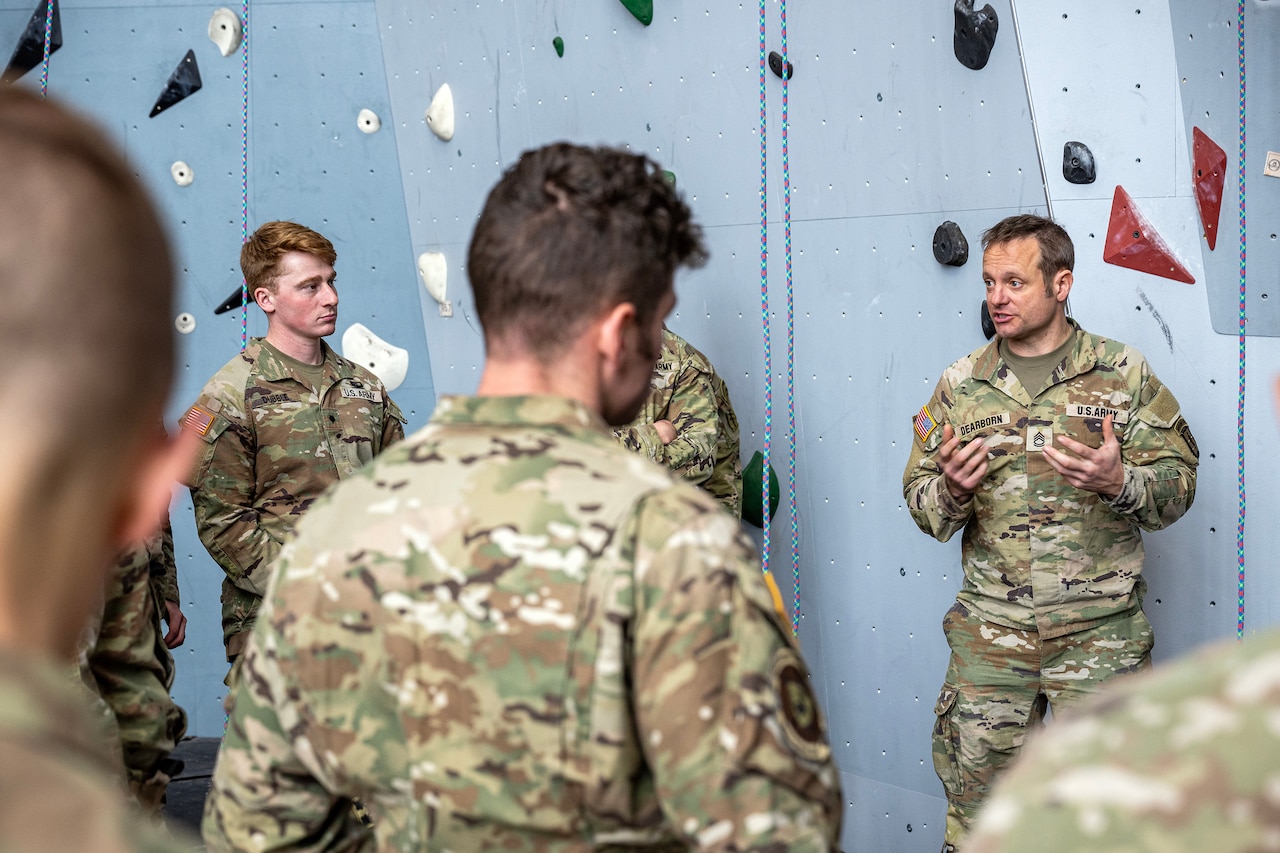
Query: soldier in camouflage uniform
<point x="688" y="423"/>
<point x="1052" y="489"/>
<point x="282" y="421"/>
<point x="86" y="282"/>
<point x="125" y="662"/>
<point x="510" y="633"/>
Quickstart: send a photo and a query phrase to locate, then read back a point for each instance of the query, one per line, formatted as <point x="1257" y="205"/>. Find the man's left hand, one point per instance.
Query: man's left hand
<point x="1096" y="470"/>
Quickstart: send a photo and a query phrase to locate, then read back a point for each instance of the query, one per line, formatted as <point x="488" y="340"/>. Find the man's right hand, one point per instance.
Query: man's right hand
<point x="666" y="431"/>
<point x="963" y="465"/>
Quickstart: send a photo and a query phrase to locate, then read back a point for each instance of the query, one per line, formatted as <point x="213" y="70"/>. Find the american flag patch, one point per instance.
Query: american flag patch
<point x="199" y="419"/>
<point x="925" y="424"/>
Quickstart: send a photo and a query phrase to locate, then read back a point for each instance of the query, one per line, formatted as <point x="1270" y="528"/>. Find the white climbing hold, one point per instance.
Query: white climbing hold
<point x="440" y="113"/>
<point x="182" y="174"/>
<point x="389" y="363"/>
<point x="185" y="323"/>
<point x="224" y="30"/>
<point x="368" y="121"/>
<point x="435" y="274"/>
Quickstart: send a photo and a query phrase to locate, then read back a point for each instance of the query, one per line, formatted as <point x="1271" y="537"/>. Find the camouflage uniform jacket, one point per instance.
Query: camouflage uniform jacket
<point x="1182" y="760"/>
<point x="126" y="664"/>
<point x="509" y="633"/>
<point x="61" y="791"/>
<point x="687" y="391"/>
<point x="273" y="445"/>
<point x="1038" y="553"/>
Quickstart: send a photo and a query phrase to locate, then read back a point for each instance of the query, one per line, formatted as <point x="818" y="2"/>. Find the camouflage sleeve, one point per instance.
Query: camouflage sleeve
<point x="692" y="412"/>
<point x="265" y="795"/>
<point x="392" y="424"/>
<point x="131" y="668"/>
<point x="1160" y="458"/>
<point x="931" y="505"/>
<point x="222" y="494"/>
<point x="724" y="710"/>
<point x="642" y="438"/>
<point x="164" y="566"/>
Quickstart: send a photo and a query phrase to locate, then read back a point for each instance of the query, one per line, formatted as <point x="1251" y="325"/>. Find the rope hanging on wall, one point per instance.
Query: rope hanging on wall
<point x="48" y="41"/>
<point x="244" y="167"/>
<point x="1240" y="398"/>
<point x="764" y="315"/>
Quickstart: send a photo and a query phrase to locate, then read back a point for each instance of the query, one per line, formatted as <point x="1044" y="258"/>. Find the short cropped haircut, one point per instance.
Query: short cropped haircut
<point x="568" y="233"/>
<point x="86" y="281"/>
<point x="266" y="246"/>
<point x="1057" y="252"/>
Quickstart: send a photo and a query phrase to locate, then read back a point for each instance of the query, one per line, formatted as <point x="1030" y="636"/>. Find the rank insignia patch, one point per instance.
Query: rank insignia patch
<point x="925" y="424"/>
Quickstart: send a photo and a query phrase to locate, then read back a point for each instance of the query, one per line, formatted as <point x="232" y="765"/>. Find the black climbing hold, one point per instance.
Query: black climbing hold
<point x="949" y="245"/>
<point x="184" y="81"/>
<point x="975" y="34"/>
<point x="30" y="49"/>
<point x="775" y="65"/>
<point x="232" y="302"/>
<point x="558" y="44"/>
<point x="1077" y="163"/>
<point x="988" y="327"/>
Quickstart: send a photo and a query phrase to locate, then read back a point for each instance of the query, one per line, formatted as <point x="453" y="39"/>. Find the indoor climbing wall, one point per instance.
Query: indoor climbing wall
<point x="895" y="127"/>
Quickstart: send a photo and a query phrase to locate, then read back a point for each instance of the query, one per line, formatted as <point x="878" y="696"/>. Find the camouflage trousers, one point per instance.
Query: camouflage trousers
<point x="1001" y="680"/>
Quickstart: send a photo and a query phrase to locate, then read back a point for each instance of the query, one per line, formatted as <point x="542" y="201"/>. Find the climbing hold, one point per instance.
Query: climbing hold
<point x="388" y="362"/>
<point x="368" y="121"/>
<point x="185" y="323"/>
<point x="949" y="245"/>
<point x="988" y="326"/>
<point x="182" y="174"/>
<point x="1077" y="163"/>
<point x="642" y="9"/>
<point x="225" y="30"/>
<point x="558" y="44"/>
<point x="184" y="81"/>
<point x="670" y="177"/>
<point x="434" y="272"/>
<point x="1133" y="243"/>
<point x="29" y="51"/>
<point x="775" y="65"/>
<point x="440" y="113"/>
<point x="975" y="34"/>
<point x="232" y="302"/>
<point x="1211" y="174"/>
<point x="752" y="475"/>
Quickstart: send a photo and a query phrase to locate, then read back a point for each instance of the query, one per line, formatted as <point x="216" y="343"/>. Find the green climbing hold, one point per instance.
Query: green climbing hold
<point x="751" y="485"/>
<point x="642" y="9"/>
<point x="558" y="44"/>
<point x="670" y="177"/>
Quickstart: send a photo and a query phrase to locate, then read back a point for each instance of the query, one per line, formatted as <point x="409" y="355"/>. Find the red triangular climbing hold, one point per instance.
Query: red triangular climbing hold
<point x="1210" y="175"/>
<point x="1133" y="243"/>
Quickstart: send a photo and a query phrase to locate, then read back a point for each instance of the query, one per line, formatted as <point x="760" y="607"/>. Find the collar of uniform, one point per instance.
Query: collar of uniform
<point x="530" y="410"/>
<point x="272" y="367"/>
<point x="990" y="367"/>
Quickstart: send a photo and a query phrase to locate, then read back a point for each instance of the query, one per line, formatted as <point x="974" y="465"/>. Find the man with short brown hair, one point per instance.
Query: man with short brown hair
<point x="282" y="421"/>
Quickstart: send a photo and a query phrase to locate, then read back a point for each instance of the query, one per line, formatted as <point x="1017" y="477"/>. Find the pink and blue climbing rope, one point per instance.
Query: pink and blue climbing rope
<point x="244" y="167"/>
<point x="764" y="293"/>
<point x="792" y="512"/>
<point x="48" y="49"/>
<point x="1243" y="318"/>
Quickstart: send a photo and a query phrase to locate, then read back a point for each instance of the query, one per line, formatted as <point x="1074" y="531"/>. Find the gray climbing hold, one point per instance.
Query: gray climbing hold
<point x="1077" y="163"/>
<point x="975" y="34"/>
<point x="950" y="248"/>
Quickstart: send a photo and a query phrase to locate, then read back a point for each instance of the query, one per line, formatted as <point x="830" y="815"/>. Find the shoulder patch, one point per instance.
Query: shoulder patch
<point x="925" y="423"/>
<point x="798" y="713"/>
<point x="198" y="419"/>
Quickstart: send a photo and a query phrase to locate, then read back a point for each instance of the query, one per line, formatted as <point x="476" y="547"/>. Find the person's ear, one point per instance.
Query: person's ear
<point x="1062" y="285"/>
<point x="613" y="330"/>
<point x="148" y="488"/>
<point x="265" y="298"/>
